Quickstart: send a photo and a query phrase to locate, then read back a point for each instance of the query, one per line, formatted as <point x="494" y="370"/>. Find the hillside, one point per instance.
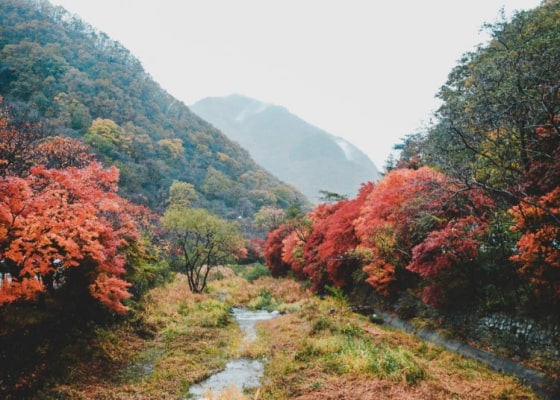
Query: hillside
<point x="76" y="81"/>
<point x="290" y="148"/>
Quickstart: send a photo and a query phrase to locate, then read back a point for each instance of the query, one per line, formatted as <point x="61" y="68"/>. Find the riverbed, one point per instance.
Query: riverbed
<point x="241" y="373"/>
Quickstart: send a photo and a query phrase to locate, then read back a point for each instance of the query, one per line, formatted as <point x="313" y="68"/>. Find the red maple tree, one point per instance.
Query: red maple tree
<point x="422" y="222"/>
<point x="53" y="221"/>
<point x="273" y="251"/>
<point x="335" y="251"/>
<point x="394" y="217"/>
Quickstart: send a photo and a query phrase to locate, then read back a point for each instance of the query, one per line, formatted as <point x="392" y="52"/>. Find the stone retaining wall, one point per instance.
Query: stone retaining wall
<point x="522" y="336"/>
<point x="491" y="327"/>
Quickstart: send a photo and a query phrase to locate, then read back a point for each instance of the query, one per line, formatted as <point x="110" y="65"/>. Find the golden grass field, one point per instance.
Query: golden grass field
<point x="316" y="349"/>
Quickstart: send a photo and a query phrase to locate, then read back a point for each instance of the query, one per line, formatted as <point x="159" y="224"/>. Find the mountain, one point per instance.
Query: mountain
<point x="75" y="81"/>
<point x="290" y="148"/>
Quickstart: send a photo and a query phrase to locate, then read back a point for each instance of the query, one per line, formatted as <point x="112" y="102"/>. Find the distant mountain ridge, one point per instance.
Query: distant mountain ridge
<point x="291" y="149"/>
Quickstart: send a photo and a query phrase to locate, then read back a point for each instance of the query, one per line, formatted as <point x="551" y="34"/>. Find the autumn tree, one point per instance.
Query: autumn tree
<point x="443" y="259"/>
<point x="313" y="267"/>
<point x="63" y="227"/>
<point x="422" y="222"/>
<point x="201" y="241"/>
<point x="65" y="231"/>
<point x="537" y="217"/>
<point x="403" y="199"/>
<point x="537" y="249"/>
<point x="293" y="251"/>
<point x="61" y="152"/>
<point x="269" y="217"/>
<point x="338" y="249"/>
<point x="273" y="250"/>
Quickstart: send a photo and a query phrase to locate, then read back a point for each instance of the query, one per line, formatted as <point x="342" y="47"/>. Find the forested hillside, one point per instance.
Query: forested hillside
<point x="78" y="82"/>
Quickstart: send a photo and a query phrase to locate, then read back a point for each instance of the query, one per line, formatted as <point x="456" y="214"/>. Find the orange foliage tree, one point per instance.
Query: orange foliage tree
<point x="61" y="229"/>
<point x="330" y="251"/>
<point x="62" y="152"/>
<point x="394" y="218"/>
<point x="537" y="216"/>
<point x="312" y="266"/>
<point x="419" y="221"/>
<point x="273" y="251"/>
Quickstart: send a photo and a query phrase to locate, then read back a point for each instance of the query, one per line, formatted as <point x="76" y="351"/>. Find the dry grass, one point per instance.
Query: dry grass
<point x="311" y="351"/>
<point x="194" y="337"/>
<point x="317" y="355"/>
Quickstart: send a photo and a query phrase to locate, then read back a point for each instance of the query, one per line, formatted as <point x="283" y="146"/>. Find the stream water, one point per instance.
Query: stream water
<point x="241" y="373"/>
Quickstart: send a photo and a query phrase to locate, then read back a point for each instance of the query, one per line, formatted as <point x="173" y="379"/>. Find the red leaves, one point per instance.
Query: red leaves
<point x="380" y="275"/>
<point x="396" y="216"/>
<point x="538" y="250"/>
<point x="446" y="248"/>
<point x="413" y="221"/>
<point x="340" y="240"/>
<point x="60" y="213"/>
<point x="11" y="290"/>
<point x="73" y="216"/>
<point x="537" y="216"/>
<point x="273" y="251"/>
<point x="420" y="221"/>
<point x="110" y="291"/>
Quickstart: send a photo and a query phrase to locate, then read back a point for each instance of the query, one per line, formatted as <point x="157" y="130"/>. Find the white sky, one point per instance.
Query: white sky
<point x="364" y="70"/>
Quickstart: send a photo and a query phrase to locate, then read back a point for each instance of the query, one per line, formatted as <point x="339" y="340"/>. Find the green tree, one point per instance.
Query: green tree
<point x="182" y="195"/>
<point x="108" y="137"/>
<point x="201" y="241"/>
<point x="496" y="98"/>
<point x="217" y="185"/>
<point x="269" y="217"/>
<point x="331" y="197"/>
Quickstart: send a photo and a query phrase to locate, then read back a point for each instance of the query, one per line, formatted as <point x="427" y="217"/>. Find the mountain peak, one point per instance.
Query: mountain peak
<point x="297" y="152"/>
<point x="253" y="108"/>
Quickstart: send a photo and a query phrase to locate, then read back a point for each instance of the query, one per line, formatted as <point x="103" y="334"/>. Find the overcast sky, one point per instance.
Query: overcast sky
<point x="364" y="70"/>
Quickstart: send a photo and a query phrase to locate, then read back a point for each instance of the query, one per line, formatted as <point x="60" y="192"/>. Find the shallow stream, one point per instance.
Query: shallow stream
<point x="241" y="373"/>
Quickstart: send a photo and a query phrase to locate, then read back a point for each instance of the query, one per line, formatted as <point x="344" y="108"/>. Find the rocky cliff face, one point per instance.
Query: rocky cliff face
<point x="296" y="152"/>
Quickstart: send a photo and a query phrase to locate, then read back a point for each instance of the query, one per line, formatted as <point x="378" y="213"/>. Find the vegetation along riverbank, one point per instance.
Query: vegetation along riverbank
<point x="317" y="349"/>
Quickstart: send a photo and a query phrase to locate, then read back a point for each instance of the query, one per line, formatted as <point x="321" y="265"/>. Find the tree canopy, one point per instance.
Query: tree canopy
<point x="201" y="241"/>
<point x="62" y="229"/>
<point x="469" y="211"/>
